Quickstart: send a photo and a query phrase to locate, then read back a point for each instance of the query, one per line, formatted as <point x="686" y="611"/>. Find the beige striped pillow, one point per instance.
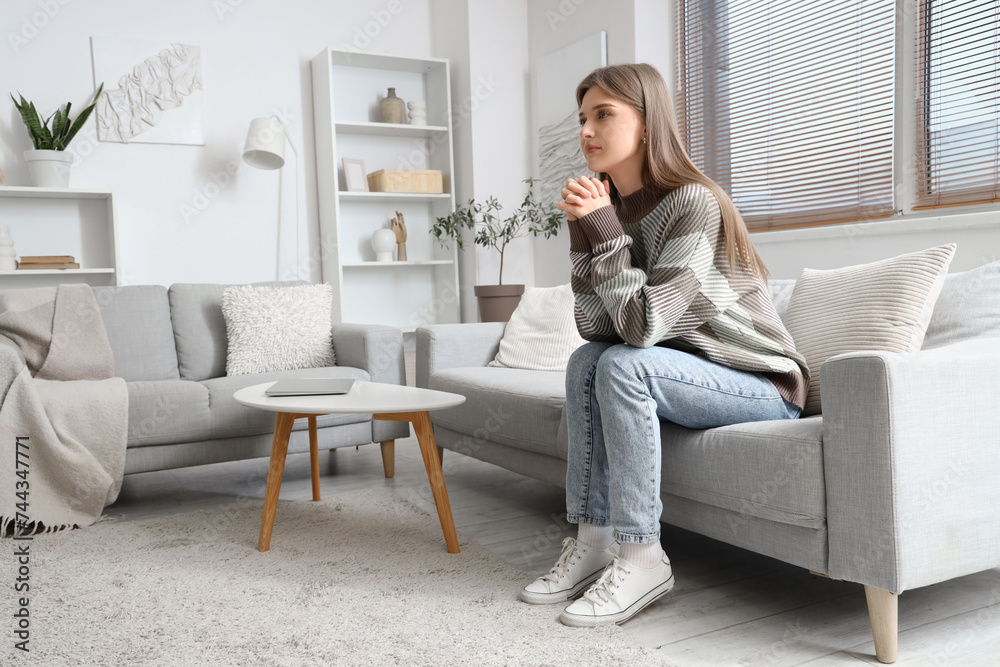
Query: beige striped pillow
<point x="542" y="333"/>
<point x="885" y="305"/>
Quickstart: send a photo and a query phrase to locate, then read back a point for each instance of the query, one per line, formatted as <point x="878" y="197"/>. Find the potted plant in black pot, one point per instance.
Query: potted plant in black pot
<point x="497" y="302"/>
<point x="48" y="163"/>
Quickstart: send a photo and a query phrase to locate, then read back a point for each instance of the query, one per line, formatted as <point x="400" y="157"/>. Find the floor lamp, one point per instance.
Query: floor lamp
<point x="265" y="149"/>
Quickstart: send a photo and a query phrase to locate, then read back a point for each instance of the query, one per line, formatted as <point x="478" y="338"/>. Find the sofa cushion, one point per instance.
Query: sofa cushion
<point x="781" y="294"/>
<point x="164" y="412"/>
<point x="200" y="329"/>
<point x="771" y="470"/>
<point x="277" y="328"/>
<point x="542" y="332"/>
<point x="511" y="406"/>
<point x="884" y="305"/>
<point x="968" y="307"/>
<point x="137" y="319"/>
<point x="229" y="419"/>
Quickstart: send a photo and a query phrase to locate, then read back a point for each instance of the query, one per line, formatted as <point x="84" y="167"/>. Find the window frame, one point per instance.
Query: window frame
<point x="904" y="161"/>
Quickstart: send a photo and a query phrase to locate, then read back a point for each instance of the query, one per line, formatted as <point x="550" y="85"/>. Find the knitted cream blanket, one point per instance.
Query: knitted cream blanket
<point x="64" y="417"/>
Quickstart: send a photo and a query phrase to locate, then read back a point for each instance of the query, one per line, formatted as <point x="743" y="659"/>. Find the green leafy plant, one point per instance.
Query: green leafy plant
<point x="493" y="230"/>
<point x="63" y="130"/>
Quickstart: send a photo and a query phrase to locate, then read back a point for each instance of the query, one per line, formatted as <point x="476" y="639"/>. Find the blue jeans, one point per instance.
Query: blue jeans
<point x="615" y="397"/>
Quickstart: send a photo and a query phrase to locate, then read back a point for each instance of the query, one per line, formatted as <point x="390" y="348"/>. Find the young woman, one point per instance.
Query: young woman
<point x="673" y="297"/>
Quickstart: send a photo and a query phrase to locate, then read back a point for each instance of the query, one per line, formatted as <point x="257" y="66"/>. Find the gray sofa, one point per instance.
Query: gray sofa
<point x="170" y="347"/>
<point x="894" y="486"/>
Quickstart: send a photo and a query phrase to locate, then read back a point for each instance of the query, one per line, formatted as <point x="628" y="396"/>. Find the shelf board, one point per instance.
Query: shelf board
<point x="390" y="129"/>
<point x="51" y="272"/>
<point x="384" y="61"/>
<point x="392" y="196"/>
<point x="52" y="193"/>
<point x="428" y="262"/>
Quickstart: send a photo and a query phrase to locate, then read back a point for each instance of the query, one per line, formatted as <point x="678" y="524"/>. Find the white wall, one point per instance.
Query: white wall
<point x="255" y="62"/>
<point x="487" y="44"/>
<point x="554" y="25"/>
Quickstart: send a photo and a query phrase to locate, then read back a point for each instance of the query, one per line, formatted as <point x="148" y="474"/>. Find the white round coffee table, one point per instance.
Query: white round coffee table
<point x="385" y="401"/>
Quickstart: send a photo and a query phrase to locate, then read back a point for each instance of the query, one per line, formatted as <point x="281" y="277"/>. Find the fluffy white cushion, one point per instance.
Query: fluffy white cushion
<point x="277" y="328"/>
<point x="542" y="333"/>
<point x="885" y="305"/>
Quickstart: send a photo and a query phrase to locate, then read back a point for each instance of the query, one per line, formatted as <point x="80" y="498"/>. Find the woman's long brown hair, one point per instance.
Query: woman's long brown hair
<point x="667" y="164"/>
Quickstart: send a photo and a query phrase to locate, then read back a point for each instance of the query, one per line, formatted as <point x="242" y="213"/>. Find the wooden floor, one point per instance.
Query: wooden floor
<point x="729" y="606"/>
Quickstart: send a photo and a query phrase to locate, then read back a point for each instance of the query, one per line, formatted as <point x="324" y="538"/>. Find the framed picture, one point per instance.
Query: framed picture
<point x="354" y="175"/>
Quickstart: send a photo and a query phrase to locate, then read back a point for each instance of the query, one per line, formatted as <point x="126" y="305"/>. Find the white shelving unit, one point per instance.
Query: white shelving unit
<point x="346" y="90"/>
<point x="62" y="221"/>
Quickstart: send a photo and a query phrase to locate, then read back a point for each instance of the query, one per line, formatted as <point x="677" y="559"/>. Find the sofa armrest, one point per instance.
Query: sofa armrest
<point x="911" y="448"/>
<point x="378" y="350"/>
<point x="441" y="346"/>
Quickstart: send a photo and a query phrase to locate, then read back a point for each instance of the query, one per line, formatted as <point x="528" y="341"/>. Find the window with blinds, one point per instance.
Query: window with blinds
<point x="958" y="102"/>
<point x="788" y="105"/>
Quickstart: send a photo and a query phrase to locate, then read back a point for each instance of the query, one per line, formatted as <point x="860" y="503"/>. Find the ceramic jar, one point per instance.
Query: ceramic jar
<point x="392" y="109"/>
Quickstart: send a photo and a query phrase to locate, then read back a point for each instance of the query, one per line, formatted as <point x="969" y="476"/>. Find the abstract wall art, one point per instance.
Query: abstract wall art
<point x="554" y="116"/>
<point x="153" y="92"/>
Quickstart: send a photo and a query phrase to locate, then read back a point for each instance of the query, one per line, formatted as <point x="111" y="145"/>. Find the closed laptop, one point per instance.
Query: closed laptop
<point x="309" y="387"/>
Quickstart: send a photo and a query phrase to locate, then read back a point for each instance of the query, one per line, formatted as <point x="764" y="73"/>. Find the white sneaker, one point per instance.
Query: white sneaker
<point x="622" y="592"/>
<point x="578" y="567"/>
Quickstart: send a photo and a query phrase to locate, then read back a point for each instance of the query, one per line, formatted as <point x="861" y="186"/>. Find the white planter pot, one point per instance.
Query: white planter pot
<point x="49" y="169"/>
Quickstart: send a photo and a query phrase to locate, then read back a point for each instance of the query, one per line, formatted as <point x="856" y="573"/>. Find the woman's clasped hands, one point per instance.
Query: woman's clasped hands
<point x="584" y="195"/>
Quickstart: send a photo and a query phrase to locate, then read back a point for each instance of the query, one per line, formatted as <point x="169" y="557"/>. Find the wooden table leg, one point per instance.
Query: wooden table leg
<point x="428" y="449"/>
<point x="314" y="456"/>
<point x="388" y="457"/>
<point x="279" y="448"/>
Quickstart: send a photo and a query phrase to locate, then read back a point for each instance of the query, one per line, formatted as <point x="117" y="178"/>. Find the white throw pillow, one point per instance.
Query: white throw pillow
<point x="885" y="306"/>
<point x="969" y="307"/>
<point x="542" y="333"/>
<point x="277" y="328"/>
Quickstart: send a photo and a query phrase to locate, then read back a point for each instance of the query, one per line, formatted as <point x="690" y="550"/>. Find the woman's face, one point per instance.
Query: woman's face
<point x="611" y="133"/>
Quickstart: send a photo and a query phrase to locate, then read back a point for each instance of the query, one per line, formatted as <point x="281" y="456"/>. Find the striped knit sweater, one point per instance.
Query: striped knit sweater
<point x="653" y="270"/>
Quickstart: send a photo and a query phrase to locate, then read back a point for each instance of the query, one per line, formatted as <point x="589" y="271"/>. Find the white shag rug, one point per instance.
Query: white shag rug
<point x="360" y="580"/>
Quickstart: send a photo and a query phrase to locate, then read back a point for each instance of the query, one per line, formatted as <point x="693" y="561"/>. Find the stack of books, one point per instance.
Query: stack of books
<point x="48" y="262"/>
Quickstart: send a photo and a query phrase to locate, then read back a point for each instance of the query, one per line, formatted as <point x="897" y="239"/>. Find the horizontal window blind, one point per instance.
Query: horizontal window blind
<point x="788" y="105"/>
<point x="958" y="102"/>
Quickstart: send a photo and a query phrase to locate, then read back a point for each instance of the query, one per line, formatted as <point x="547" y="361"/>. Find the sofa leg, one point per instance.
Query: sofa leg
<point x="388" y="457"/>
<point x="440" y="454"/>
<point x="883" y="609"/>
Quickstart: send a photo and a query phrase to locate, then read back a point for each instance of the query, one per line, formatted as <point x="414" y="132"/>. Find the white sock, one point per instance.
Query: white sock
<point x="596" y="537"/>
<point x="646" y="556"/>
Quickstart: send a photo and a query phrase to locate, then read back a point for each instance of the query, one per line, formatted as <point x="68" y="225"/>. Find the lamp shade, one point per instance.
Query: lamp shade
<point x="265" y="146"/>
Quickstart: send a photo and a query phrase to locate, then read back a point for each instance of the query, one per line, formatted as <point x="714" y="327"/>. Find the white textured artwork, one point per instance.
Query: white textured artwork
<point x="556" y="132"/>
<point x="555" y="112"/>
<point x="152" y="91"/>
<point x="559" y="156"/>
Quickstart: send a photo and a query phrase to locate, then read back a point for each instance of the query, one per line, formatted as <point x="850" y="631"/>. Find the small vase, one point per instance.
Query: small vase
<point x="418" y="112"/>
<point x="383" y="241"/>
<point x="392" y="109"/>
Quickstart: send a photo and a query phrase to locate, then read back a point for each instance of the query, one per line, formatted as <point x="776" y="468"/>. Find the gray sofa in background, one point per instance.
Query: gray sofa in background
<point x="895" y="486"/>
<point x="170" y="346"/>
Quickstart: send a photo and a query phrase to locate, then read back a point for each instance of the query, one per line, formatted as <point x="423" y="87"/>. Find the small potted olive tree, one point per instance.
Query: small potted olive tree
<point x="48" y="163"/>
<point x="497" y="302"/>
